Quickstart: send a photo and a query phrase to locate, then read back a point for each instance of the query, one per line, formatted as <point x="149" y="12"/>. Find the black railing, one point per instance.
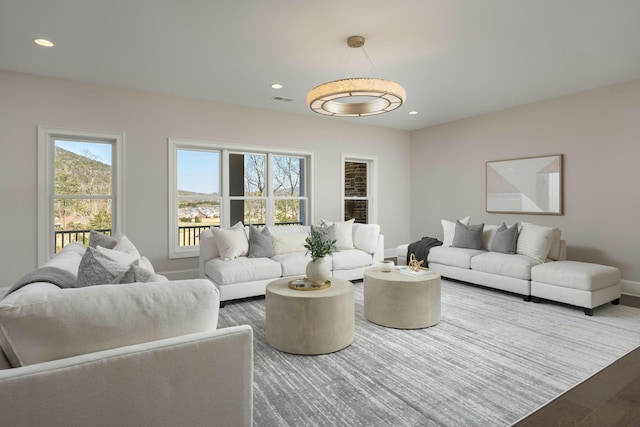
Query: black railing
<point x="189" y="235"/>
<point x="64" y="237"/>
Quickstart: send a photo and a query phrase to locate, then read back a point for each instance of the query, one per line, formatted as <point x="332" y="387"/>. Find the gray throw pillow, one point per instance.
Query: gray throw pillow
<point x="98" y="239"/>
<point x="98" y="269"/>
<point x="260" y="243"/>
<point x="505" y="240"/>
<point x="468" y="236"/>
<point x="328" y="233"/>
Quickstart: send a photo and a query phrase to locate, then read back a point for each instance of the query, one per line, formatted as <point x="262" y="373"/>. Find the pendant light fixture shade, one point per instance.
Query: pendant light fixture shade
<point x="359" y="96"/>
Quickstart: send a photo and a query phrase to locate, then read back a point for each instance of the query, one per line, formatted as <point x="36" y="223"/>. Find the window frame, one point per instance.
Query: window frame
<point x="46" y="180"/>
<point x="372" y="184"/>
<point x="175" y="144"/>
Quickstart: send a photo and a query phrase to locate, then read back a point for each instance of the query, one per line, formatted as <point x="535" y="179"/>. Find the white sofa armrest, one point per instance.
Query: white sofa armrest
<point x="208" y="250"/>
<point x="197" y="379"/>
<point x="378" y="255"/>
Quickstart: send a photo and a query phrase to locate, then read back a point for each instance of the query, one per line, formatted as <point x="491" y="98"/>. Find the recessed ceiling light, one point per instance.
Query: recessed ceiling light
<point x="413" y="113"/>
<point x="276" y="86"/>
<point x="43" y="42"/>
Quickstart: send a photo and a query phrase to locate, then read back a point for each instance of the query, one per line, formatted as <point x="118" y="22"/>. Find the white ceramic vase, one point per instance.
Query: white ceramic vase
<point x="318" y="271"/>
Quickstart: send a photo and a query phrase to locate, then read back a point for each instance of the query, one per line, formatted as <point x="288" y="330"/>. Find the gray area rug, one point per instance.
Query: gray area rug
<point x="491" y="360"/>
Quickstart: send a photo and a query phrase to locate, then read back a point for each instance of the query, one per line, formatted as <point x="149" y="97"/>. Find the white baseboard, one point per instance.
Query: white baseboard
<point x="630" y="287"/>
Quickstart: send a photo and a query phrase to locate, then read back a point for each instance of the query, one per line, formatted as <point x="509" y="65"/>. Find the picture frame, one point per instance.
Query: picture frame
<point x="530" y="185"/>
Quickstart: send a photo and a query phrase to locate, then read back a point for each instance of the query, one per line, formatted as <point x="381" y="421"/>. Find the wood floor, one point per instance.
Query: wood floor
<point x="609" y="398"/>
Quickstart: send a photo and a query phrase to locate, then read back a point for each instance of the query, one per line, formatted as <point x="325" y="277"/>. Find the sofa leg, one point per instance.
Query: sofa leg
<point x="535" y="299"/>
<point x="526" y="297"/>
<point x="588" y="311"/>
<point x="616" y="301"/>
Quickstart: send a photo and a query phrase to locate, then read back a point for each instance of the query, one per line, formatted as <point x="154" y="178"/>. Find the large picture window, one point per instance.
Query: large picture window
<point x="218" y="185"/>
<point x="79" y="187"/>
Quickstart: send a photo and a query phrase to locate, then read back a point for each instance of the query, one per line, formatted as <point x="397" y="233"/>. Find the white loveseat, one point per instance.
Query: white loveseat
<point x="134" y="354"/>
<point x="227" y="261"/>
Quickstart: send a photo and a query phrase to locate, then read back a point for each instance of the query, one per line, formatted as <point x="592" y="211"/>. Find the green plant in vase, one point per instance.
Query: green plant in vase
<point x="318" y="270"/>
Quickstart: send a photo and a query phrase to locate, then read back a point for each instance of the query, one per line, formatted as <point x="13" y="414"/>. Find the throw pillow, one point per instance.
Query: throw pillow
<point x="449" y="229"/>
<point x="505" y="240"/>
<point x="125" y="245"/>
<point x="327" y="234"/>
<point x="535" y="241"/>
<point x="344" y="233"/>
<point x="231" y="242"/>
<point x="99" y="239"/>
<point x="289" y="238"/>
<point x="260" y="243"/>
<point x="118" y="256"/>
<point x="468" y="236"/>
<point x="98" y="269"/>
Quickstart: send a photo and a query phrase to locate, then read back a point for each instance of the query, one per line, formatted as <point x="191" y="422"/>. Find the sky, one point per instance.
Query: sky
<point x="199" y="171"/>
<point x="98" y="151"/>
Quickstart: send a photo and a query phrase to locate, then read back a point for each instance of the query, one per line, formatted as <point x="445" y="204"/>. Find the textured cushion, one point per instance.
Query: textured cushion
<point x="344" y="233"/>
<point x="455" y="257"/>
<point x="99" y="239"/>
<point x="260" y="243"/>
<point x="294" y="263"/>
<point x="125" y="245"/>
<point x="534" y="241"/>
<point x="468" y="236"/>
<point x="98" y="269"/>
<point x="516" y="266"/>
<point x="577" y="275"/>
<point x="289" y="238"/>
<point x="366" y="236"/>
<point x="231" y="242"/>
<point x="327" y="233"/>
<point x="351" y="258"/>
<point x="505" y="240"/>
<point x="116" y="255"/>
<point x="449" y="230"/>
<point x="241" y="269"/>
<point x="41" y="323"/>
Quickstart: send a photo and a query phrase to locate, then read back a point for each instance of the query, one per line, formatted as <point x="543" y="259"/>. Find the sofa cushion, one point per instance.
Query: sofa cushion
<point x="99" y="269"/>
<point x="555" y="249"/>
<point x="344" y="233"/>
<point x="468" y="236"/>
<point x="351" y="258"/>
<point x="99" y="239"/>
<point x="535" y="241"/>
<point x="449" y="230"/>
<point x="231" y="242"/>
<point x="41" y="322"/>
<point x="327" y="233"/>
<point x="516" y="266"/>
<point x="505" y="240"/>
<point x="488" y="234"/>
<point x="289" y="238"/>
<point x="455" y="257"/>
<point x="260" y="243"/>
<point x="294" y="263"/>
<point x="241" y="269"/>
<point x="366" y="236"/>
<point x="208" y="248"/>
<point x="576" y="275"/>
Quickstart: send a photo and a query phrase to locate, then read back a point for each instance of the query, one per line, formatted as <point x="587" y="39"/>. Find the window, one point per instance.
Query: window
<point x="219" y="185"/>
<point x="359" y="187"/>
<point x="79" y="187"/>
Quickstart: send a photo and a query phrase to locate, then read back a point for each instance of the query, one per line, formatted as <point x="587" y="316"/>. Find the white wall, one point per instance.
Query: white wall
<point x="147" y="120"/>
<point x="599" y="134"/>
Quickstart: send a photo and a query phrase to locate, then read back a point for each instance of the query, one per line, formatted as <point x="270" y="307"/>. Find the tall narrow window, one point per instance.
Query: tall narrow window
<point x="248" y="188"/>
<point x="289" y="189"/>
<point x="359" y="189"/>
<point x="79" y="187"/>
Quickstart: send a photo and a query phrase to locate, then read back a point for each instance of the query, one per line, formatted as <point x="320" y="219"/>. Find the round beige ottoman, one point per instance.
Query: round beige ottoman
<point x="310" y="322"/>
<point x="400" y="300"/>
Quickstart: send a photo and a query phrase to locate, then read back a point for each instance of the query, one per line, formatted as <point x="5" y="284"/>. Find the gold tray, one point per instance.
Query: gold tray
<point x="303" y="284"/>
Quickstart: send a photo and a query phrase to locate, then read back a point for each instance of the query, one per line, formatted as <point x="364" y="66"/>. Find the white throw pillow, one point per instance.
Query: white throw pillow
<point x="118" y="256"/>
<point x="535" y="241"/>
<point x="42" y="323"/>
<point x="288" y="238"/>
<point x="366" y="236"/>
<point x="344" y="233"/>
<point x="231" y="242"/>
<point x="125" y="245"/>
<point x="449" y="229"/>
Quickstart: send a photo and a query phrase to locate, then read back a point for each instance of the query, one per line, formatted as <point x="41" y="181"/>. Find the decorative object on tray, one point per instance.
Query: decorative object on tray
<point x="319" y="246"/>
<point x="386" y="265"/>
<point x="304" y="284"/>
<point x="414" y="264"/>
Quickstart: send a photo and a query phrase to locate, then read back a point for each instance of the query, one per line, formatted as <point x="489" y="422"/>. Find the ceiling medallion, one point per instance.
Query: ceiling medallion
<point x="354" y="97"/>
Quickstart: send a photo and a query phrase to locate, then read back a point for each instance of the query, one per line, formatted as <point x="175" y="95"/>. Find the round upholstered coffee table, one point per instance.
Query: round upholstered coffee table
<point x="400" y="300"/>
<point x="310" y="322"/>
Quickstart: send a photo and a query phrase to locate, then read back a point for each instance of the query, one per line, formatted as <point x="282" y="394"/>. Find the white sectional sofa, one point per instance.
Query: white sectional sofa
<point x="125" y="354"/>
<point x="229" y="258"/>
<point x="524" y="268"/>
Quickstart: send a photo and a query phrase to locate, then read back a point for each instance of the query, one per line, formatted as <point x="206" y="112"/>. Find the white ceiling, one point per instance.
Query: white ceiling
<point x="455" y="58"/>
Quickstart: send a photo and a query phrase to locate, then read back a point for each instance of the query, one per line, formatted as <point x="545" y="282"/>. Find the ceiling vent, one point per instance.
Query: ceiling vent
<point x="282" y="98"/>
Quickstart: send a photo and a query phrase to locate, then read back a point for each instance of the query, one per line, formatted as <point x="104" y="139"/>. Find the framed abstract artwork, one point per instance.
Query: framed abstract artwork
<point x="530" y="185"/>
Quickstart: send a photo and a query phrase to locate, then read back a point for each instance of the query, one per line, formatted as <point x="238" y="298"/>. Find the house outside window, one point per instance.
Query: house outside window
<point x="79" y="187"/>
<point x="253" y="185"/>
<point x="359" y="188"/>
